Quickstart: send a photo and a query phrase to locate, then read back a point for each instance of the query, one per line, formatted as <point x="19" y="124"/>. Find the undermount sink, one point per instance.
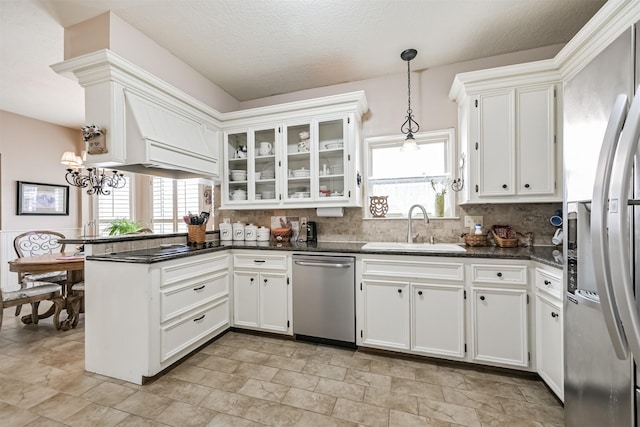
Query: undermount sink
<point x="417" y="247"/>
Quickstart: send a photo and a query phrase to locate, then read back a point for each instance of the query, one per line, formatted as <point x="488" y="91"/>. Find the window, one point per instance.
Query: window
<point x="171" y="200"/>
<point x="115" y="205"/>
<point x="406" y="176"/>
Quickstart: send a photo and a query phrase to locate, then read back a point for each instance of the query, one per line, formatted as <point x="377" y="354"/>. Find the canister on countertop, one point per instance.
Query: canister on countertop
<point x="263" y="234"/>
<point x="238" y="231"/>
<point x="250" y="232"/>
<point x="226" y="231"/>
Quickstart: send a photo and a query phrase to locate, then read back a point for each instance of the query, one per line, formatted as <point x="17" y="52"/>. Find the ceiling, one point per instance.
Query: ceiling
<point x="257" y="48"/>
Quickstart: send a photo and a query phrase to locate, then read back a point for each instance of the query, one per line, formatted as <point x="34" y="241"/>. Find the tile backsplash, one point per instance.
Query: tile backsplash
<point x="530" y="217"/>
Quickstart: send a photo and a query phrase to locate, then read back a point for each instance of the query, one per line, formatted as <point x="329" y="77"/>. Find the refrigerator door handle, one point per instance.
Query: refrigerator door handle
<point x="599" y="204"/>
<point x="619" y="232"/>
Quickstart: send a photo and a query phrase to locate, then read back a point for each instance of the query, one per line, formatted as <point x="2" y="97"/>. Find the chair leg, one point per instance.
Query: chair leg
<point x="34" y="312"/>
<point x="18" y="309"/>
<point x="1" y="315"/>
<point x="59" y="305"/>
<point x="74" y="307"/>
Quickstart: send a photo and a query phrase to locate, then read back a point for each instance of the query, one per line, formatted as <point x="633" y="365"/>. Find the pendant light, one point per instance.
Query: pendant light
<point x="410" y="126"/>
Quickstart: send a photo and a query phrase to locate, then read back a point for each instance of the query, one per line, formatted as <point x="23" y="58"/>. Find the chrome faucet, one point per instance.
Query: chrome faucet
<point x="410" y="229"/>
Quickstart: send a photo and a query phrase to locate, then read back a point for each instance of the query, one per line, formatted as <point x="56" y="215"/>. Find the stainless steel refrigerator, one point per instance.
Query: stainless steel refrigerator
<point x="601" y="128"/>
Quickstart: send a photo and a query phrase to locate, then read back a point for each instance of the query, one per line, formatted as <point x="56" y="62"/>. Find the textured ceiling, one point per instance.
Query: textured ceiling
<point x="257" y="48"/>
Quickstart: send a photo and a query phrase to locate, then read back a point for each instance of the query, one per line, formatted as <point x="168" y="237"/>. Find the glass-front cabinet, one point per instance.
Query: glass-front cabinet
<point x="308" y="158"/>
<point x="251" y="166"/>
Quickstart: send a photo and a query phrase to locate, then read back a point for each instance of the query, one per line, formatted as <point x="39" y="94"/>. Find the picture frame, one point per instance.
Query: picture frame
<point x="36" y="198"/>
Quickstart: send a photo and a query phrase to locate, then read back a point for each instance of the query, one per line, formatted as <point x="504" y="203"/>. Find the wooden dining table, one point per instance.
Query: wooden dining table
<point x="70" y="262"/>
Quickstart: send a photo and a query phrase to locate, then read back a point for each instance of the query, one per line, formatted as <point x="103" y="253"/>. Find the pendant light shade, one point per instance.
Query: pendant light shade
<point x="410" y="126"/>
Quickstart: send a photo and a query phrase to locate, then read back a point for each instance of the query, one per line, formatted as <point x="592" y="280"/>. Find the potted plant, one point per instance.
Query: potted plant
<point x="122" y="226"/>
<point x="439" y="189"/>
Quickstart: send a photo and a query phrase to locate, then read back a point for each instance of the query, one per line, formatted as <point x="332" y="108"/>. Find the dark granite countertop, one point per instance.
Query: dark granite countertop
<point x="542" y="254"/>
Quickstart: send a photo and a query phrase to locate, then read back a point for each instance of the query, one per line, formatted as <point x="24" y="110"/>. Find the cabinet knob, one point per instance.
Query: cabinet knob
<point x="482" y="298"/>
<point x="499" y="274"/>
<point x="554" y="314"/>
<point x="527" y="186"/>
<point x="546" y="282"/>
<point x="504" y="186"/>
<point x="419" y="292"/>
<point x="399" y="291"/>
<point x="265" y="281"/>
<point x="251" y="280"/>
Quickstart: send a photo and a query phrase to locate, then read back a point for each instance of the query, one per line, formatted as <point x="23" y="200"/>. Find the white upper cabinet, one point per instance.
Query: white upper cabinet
<point x="508" y="133"/>
<point x="301" y="154"/>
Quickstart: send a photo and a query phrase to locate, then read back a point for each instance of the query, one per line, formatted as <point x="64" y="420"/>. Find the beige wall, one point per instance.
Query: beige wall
<point x="109" y="31"/>
<point x="387" y="96"/>
<point x="31" y="151"/>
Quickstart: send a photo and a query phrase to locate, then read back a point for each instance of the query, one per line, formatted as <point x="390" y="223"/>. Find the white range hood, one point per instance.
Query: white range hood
<point x="152" y="127"/>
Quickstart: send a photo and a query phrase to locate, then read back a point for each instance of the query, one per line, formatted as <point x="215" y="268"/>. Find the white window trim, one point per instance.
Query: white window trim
<point x="422" y="137"/>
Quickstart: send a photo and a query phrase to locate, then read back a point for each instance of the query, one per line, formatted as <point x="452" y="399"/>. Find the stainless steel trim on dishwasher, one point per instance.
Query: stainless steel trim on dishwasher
<point x="324" y="298"/>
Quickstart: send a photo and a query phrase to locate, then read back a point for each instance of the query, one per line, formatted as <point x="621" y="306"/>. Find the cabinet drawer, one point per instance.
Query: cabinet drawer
<point x="186" y="333"/>
<point x="191" y="268"/>
<point x="413" y="269"/>
<point x="261" y="261"/>
<point x="188" y="294"/>
<point x="549" y="281"/>
<point x="495" y="274"/>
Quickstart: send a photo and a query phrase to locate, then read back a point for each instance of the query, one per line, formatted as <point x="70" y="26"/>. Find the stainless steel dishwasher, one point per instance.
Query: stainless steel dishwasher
<point x="324" y="299"/>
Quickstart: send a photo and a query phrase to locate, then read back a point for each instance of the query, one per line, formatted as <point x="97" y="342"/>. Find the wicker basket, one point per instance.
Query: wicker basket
<point x="196" y="233"/>
<point x="505" y="243"/>
<point x="475" y="239"/>
<point x="281" y="234"/>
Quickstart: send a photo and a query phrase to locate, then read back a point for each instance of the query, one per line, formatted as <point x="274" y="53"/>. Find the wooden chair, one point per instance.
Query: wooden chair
<point x="40" y="242"/>
<point x="75" y="303"/>
<point x="33" y="294"/>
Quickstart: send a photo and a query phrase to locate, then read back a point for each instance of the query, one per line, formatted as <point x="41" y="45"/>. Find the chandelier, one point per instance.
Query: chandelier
<point x="410" y="126"/>
<point x="97" y="181"/>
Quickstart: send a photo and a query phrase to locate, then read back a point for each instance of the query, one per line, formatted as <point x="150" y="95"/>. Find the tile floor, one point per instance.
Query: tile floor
<point x="248" y="380"/>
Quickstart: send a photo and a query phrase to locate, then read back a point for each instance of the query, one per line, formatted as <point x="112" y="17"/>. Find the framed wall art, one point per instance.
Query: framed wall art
<point x="42" y="199"/>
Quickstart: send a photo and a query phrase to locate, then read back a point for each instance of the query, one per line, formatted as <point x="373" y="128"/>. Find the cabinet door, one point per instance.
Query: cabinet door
<point x="274" y="302"/>
<point x="245" y="299"/>
<point x="332" y="164"/>
<point x="536" y="145"/>
<point x="496" y="144"/>
<point x="499" y="324"/>
<point x="263" y="183"/>
<point x="236" y="188"/>
<point x="437" y="319"/>
<point x="549" y="344"/>
<point x="386" y="314"/>
<point x="299" y="142"/>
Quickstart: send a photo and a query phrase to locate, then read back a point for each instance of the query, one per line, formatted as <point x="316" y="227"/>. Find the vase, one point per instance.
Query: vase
<point x="439" y="205"/>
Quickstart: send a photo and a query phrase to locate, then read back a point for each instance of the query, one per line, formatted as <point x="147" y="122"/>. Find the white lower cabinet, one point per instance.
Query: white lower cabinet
<point x="499" y="326"/>
<point x="386" y="314"/>
<point x="261" y="292"/>
<point x="421" y="313"/>
<point x="437" y="319"/>
<point x="549" y="329"/>
<point x="142" y="318"/>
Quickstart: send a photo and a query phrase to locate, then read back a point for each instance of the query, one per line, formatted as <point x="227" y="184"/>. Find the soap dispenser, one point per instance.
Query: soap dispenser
<point x="478" y="229"/>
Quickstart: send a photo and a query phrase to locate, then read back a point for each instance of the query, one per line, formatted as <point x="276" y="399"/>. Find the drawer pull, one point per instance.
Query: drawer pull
<point x="499" y="274"/>
<point x="419" y="292"/>
<point x="199" y="288"/>
<point x="198" y="318"/>
<point x="546" y="282"/>
<point x="482" y="298"/>
<point x="554" y="314"/>
<point x="399" y="291"/>
<point x="259" y="261"/>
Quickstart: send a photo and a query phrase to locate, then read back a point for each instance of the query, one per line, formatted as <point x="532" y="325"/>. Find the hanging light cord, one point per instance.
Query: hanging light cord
<point x="407" y="127"/>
